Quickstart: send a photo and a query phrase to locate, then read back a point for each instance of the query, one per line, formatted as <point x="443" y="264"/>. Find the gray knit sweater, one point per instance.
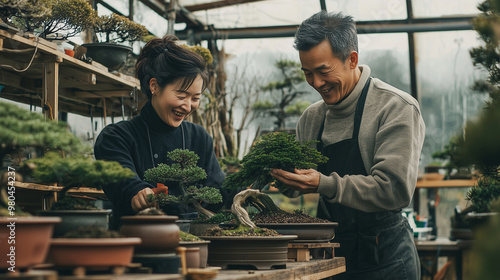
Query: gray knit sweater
<point x="390" y="139"/>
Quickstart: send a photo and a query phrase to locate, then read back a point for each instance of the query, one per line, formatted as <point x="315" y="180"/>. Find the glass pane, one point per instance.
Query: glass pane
<point x="155" y="23"/>
<point x="387" y="55"/>
<point x="262" y="13"/>
<point x="362" y="10"/>
<point x="437" y="8"/>
<point x="119" y="5"/>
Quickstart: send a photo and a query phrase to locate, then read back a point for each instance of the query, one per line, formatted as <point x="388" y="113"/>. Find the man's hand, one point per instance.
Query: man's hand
<point x="302" y="180"/>
<point x="140" y="200"/>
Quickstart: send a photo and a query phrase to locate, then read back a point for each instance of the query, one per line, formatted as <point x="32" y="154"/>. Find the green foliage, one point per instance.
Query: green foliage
<point x="297" y="108"/>
<point x="216" y="219"/>
<point x="10" y="10"/>
<point x="185" y="171"/>
<point x="72" y="203"/>
<point x="116" y="28"/>
<point x="67" y="17"/>
<point x="204" y="52"/>
<point x="77" y="171"/>
<point x="274" y="150"/>
<point x="487" y="249"/>
<point x="283" y="92"/>
<point x="482" y="136"/>
<point x="187" y="237"/>
<point x="452" y="155"/>
<point x="483" y="194"/>
<point x="21" y="128"/>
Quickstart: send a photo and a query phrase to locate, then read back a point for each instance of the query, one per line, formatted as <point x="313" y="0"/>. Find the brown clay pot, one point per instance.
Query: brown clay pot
<point x="193" y="257"/>
<point x="32" y="239"/>
<point x="159" y="234"/>
<point x="243" y="252"/>
<point x="93" y="252"/>
<point x="202" y="245"/>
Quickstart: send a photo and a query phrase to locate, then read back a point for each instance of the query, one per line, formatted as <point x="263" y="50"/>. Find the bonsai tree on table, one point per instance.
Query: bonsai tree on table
<point x="114" y="28"/>
<point x="480" y="146"/>
<point x="184" y="171"/>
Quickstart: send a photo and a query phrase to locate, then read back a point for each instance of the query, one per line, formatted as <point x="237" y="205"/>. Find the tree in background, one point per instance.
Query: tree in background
<point x="283" y="93"/>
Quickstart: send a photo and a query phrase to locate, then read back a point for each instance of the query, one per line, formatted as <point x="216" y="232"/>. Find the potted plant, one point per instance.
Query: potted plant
<point x="74" y="172"/>
<point x="280" y="150"/>
<point x="191" y="242"/>
<point x="480" y="144"/>
<point x="93" y="247"/>
<point x="186" y="173"/>
<point x="242" y="246"/>
<point x="54" y="19"/>
<point x="112" y="29"/>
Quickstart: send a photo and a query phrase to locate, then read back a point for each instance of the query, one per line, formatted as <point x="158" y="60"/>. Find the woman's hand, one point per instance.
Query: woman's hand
<point x="302" y="180"/>
<point x="140" y="200"/>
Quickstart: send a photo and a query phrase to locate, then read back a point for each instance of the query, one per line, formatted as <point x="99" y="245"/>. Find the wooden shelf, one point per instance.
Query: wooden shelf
<point x="67" y="84"/>
<point x="446" y="183"/>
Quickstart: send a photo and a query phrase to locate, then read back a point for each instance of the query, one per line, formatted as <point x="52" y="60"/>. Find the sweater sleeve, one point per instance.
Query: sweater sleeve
<point x="111" y="145"/>
<point x="391" y="180"/>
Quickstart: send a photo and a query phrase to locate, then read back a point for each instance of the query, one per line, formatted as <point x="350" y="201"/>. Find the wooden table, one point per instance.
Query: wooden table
<point x="314" y="269"/>
<point x="458" y="252"/>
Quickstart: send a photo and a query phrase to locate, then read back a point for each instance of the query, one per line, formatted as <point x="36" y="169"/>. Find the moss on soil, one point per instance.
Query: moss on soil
<point x="242" y="231"/>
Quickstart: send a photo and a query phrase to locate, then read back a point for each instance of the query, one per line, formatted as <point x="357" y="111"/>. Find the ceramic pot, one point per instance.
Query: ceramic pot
<point x="193" y="257"/>
<point x="159" y="234"/>
<point x="243" y="252"/>
<point x="93" y="252"/>
<point x="306" y="232"/>
<point x="199" y="229"/>
<point x="202" y="245"/>
<point x="73" y="219"/>
<point x="110" y="55"/>
<point x="32" y="239"/>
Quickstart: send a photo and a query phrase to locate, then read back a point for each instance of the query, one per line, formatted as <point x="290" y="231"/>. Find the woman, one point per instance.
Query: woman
<point x="173" y="78"/>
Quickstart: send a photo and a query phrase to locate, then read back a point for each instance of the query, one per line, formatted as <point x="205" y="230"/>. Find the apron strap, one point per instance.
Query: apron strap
<point x="359" y="109"/>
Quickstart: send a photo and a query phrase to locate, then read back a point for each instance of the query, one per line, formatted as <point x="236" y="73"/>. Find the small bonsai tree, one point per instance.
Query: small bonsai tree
<point x="482" y="137"/>
<point x="66" y="18"/>
<point x="184" y="171"/>
<point x="114" y="28"/>
<point x="277" y="150"/>
<point x="15" y="9"/>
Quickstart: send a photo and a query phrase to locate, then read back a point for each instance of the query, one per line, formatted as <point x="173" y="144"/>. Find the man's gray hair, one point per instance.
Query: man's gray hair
<point x="338" y="29"/>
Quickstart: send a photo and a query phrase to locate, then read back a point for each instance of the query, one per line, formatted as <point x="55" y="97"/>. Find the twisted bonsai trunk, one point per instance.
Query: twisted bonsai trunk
<point x="260" y="200"/>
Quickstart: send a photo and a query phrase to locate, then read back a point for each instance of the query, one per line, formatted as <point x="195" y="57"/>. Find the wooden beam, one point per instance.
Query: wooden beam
<point x="217" y="4"/>
<point x="71" y="77"/>
<point x="101" y="94"/>
<point x="51" y="90"/>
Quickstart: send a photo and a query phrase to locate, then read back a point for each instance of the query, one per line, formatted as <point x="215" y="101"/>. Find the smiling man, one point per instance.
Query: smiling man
<point x="372" y="134"/>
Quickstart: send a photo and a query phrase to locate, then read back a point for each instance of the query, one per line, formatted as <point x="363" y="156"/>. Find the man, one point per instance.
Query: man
<point x="372" y="134"/>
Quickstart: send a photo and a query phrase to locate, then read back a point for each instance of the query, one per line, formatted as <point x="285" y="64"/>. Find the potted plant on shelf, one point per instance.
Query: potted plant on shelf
<point x="191" y="242"/>
<point x="75" y="172"/>
<point x="280" y="150"/>
<point x="186" y="173"/>
<point x="54" y="19"/>
<point x="111" y="30"/>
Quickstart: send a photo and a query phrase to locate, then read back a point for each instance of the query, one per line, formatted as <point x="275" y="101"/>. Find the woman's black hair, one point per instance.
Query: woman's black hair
<point x="163" y="59"/>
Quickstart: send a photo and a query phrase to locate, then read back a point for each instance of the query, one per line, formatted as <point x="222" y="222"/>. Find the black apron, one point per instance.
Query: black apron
<point x="376" y="245"/>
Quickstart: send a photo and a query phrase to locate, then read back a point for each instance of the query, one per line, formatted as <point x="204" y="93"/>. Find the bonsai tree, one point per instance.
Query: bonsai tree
<point x="114" y="28"/>
<point x="75" y="172"/>
<point x="66" y="17"/>
<point x="274" y="150"/>
<point x="32" y="9"/>
<point x="451" y="157"/>
<point x="482" y="136"/>
<point x="184" y="171"/>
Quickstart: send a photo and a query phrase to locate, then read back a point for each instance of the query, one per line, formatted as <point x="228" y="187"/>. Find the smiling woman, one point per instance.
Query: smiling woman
<point x="173" y="78"/>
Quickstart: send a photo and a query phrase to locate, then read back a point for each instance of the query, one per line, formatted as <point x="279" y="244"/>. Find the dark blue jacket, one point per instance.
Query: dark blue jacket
<point x="127" y="142"/>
